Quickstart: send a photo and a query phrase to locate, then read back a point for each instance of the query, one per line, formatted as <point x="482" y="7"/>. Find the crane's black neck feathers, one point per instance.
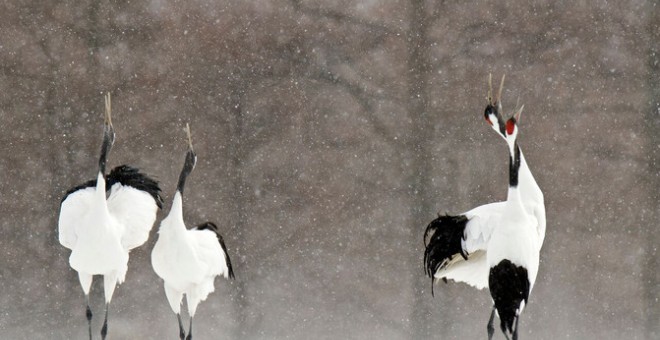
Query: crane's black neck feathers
<point x="514" y="166"/>
<point x="509" y="287"/>
<point x="106" y="146"/>
<point x="501" y="126"/>
<point x="442" y="239"/>
<point x="88" y="184"/>
<point x="212" y="227"/>
<point x="129" y="176"/>
<point x="188" y="167"/>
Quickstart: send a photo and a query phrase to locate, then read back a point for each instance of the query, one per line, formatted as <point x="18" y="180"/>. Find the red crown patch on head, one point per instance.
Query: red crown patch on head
<point x="510" y="125"/>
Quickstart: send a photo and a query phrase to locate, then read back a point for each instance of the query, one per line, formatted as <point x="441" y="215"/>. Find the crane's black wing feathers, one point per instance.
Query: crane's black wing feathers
<point x="212" y="227"/>
<point x="90" y="183"/>
<point x="443" y="240"/>
<point x="129" y="176"/>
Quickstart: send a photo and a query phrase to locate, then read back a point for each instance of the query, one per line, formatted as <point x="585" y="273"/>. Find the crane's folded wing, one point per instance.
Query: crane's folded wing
<point x="134" y="200"/>
<point x="135" y="210"/>
<point x="76" y="203"/>
<point x="210" y="251"/>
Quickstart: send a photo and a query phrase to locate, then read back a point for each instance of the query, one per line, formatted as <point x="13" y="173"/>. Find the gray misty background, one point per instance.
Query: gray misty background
<point x="329" y="134"/>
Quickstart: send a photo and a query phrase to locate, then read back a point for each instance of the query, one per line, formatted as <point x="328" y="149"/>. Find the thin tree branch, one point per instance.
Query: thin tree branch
<point x="339" y="16"/>
<point x="361" y="96"/>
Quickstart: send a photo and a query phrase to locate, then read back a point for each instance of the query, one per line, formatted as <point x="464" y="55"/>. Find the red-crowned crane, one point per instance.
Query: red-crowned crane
<point x="188" y="260"/>
<point x="103" y="219"/>
<point x="495" y="245"/>
<point x="513" y="249"/>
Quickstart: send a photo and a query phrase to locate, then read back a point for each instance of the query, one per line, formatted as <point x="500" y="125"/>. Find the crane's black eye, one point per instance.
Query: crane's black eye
<point x="489" y="110"/>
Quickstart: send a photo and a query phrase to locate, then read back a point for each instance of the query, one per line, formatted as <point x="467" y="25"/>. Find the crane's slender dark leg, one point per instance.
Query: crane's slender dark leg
<point x="104" y="329"/>
<point x="88" y="314"/>
<point x="490" y="328"/>
<point x="190" y="330"/>
<point x="182" y="332"/>
<point x="515" y="328"/>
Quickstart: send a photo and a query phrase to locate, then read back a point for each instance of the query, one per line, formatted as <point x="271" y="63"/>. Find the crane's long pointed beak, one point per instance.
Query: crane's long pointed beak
<point x="498" y="99"/>
<point x="490" y="89"/>
<point x="108" y="110"/>
<point x="190" y="144"/>
<point x="518" y="113"/>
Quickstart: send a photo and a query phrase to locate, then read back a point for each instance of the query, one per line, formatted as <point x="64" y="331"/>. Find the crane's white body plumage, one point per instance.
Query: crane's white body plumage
<point x="485" y="234"/>
<point x="515" y="238"/>
<point x="532" y="199"/>
<point x="101" y="231"/>
<point x="188" y="260"/>
<point x="103" y="219"/>
<point x="93" y="234"/>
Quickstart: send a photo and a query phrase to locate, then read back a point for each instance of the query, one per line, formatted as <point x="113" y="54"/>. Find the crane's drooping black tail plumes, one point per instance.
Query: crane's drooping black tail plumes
<point x="443" y="240"/>
<point x="214" y="228"/>
<point x="509" y="287"/>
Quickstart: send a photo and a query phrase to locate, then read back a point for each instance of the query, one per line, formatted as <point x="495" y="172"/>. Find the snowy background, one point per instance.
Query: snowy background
<point x="329" y="134"/>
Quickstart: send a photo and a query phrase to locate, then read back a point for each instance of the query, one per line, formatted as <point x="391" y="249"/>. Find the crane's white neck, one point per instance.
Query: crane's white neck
<point x="177" y="205"/>
<point x="101" y="199"/>
<point x="100" y="186"/>
<point x="526" y="177"/>
<point x="173" y="223"/>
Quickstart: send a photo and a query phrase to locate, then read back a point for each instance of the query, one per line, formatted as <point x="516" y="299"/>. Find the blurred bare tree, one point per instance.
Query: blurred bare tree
<point x="650" y="276"/>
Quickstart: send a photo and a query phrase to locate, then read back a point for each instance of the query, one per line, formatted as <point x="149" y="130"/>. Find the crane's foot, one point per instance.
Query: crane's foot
<point x="88" y="314"/>
<point x="104" y="329"/>
<point x="182" y="332"/>
<point x="490" y="328"/>
<point x="515" y="329"/>
<point x="189" y="337"/>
